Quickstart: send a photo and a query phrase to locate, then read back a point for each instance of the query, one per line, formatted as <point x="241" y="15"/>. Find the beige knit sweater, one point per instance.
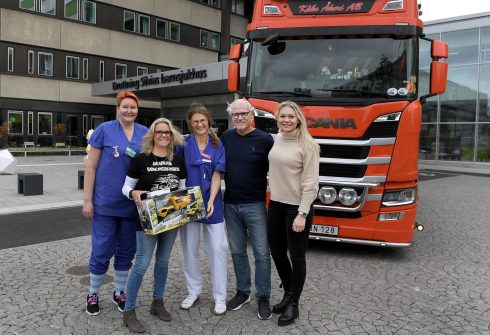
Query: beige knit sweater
<point x="293" y="173"/>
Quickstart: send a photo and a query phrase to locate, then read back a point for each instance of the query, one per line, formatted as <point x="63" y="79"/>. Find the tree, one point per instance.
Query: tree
<point x="4" y="133"/>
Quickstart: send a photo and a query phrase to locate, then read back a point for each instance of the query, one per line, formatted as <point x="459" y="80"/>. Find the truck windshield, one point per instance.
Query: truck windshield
<point x="335" y="68"/>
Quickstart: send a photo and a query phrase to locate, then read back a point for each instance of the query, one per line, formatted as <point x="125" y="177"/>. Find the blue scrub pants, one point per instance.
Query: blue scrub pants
<point x="112" y="236"/>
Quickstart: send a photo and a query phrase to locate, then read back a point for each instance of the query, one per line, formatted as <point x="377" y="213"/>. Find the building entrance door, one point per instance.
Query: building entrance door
<point x="73" y="130"/>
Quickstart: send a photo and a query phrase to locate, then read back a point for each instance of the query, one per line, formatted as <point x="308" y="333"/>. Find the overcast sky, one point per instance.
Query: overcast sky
<point x="440" y="9"/>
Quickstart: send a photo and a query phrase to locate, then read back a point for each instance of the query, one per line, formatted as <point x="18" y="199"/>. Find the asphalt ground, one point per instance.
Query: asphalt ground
<point x="440" y="285"/>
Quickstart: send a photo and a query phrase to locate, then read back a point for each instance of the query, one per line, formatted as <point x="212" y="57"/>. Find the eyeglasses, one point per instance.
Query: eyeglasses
<point x="237" y="115"/>
<point x="163" y="133"/>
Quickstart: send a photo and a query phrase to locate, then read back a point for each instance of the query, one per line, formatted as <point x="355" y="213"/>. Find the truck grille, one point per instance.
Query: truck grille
<point x="344" y="162"/>
<point x="342" y="170"/>
<point x="344" y="151"/>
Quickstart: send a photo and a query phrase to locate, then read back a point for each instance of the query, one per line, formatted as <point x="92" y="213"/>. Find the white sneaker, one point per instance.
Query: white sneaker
<point x="189" y="301"/>
<point x="220" y="307"/>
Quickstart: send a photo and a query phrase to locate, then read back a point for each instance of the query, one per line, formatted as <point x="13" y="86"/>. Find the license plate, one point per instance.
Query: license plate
<point x="327" y="230"/>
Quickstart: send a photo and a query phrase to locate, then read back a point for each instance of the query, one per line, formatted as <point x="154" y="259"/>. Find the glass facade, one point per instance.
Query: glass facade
<point x="456" y="124"/>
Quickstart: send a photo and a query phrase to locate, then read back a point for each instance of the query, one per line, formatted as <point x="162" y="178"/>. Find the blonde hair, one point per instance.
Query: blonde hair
<point x="176" y="138"/>
<point x="201" y="109"/>
<point x="306" y="141"/>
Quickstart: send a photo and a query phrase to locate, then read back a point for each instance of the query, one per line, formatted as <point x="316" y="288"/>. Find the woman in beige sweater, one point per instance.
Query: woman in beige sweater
<point x="293" y="180"/>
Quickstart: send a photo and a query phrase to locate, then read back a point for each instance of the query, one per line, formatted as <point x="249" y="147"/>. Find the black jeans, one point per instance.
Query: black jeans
<point x="281" y="239"/>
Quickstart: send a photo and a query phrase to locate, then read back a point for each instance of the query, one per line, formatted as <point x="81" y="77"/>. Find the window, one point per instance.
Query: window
<point x="463" y="46"/>
<point x="85" y="69"/>
<point x="215" y="42"/>
<point x="121" y="71"/>
<point x="168" y="30"/>
<point x="48" y="6"/>
<point x="174" y="31"/>
<point x="30" y="61"/>
<point x="45" y="64"/>
<point x="204" y="38"/>
<point x="71" y="9"/>
<point x="129" y="18"/>
<point x="144" y="24"/>
<point x="72" y="67"/>
<point x="238" y="7"/>
<point x="43" y="6"/>
<point x="214" y="3"/>
<point x="89" y="12"/>
<point x="161" y="30"/>
<point x="458" y="103"/>
<point x="27" y="4"/>
<point x="97" y="120"/>
<point x="101" y="70"/>
<point x="82" y="10"/>
<point x="210" y="40"/>
<point x="10" y="57"/>
<point x="234" y="40"/>
<point x="141" y="71"/>
<point x="30" y="123"/>
<point x="44" y="123"/>
<point x="16" y="120"/>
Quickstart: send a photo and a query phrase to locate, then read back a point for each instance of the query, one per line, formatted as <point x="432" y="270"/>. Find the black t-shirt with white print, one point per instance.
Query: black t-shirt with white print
<point x="157" y="173"/>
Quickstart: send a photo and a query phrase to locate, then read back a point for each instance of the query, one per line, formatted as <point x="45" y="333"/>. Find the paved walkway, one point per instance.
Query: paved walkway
<point x="60" y="179"/>
<point x="438" y="286"/>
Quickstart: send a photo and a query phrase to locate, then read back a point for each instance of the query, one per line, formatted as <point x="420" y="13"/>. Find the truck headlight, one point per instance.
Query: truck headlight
<point x="399" y="197"/>
<point x="327" y="194"/>
<point x="348" y="196"/>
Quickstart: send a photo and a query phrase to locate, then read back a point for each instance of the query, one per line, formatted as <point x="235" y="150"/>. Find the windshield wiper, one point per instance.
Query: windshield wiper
<point x="287" y="93"/>
<point x="361" y="93"/>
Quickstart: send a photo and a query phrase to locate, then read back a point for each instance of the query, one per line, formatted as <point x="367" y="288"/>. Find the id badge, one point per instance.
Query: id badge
<point x="130" y="152"/>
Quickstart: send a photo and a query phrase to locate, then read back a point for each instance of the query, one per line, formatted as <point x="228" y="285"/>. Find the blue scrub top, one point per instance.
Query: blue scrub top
<point x="200" y="169"/>
<point x="113" y="166"/>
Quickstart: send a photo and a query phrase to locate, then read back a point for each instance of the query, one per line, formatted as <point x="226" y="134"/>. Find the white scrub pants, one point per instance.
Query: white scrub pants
<point x="216" y="248"/>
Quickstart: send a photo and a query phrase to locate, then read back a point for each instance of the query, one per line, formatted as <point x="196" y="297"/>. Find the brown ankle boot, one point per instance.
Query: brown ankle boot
<point x="131" y="321"/>
<point x="157" y="308"/>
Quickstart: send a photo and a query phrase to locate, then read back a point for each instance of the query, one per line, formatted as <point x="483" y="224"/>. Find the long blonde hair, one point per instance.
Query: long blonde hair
<point x="306" y="141"/>
<point x="176" y="138"/>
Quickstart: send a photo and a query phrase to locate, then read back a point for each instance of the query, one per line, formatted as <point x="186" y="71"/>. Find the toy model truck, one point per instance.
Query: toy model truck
<point x="353" y="68"/>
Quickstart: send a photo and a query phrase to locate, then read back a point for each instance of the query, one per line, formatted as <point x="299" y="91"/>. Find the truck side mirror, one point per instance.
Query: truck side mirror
<point x="438" y="77"/>
<point x="439" y="50"/>
<point x="234" y="68"/>
<point x="233" y="76"/>
<point x="438" y="69"/>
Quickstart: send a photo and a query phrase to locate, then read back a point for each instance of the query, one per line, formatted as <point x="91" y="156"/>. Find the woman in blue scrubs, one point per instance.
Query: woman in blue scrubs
<point x="114" y="217"/>
<point x="204" y="157"/>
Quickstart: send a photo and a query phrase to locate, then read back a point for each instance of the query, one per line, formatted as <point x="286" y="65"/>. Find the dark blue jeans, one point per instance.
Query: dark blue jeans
<point x="282" y="239"/>
<point x="250" y="220"/>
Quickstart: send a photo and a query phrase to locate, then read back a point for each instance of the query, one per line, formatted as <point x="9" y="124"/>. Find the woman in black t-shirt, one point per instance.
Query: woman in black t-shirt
<point x="155" y="168"/>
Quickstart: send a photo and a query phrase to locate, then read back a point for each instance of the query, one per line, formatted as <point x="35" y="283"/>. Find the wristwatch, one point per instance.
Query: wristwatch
<point x="303" y="214"/>
<point x="131" y="195"/>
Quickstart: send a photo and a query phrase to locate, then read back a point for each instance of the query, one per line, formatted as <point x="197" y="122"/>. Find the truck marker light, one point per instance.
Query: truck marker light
<point x="391" y="216"/>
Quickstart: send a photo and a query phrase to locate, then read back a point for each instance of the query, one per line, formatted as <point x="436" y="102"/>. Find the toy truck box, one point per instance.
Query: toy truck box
<point x="163" y="210"/>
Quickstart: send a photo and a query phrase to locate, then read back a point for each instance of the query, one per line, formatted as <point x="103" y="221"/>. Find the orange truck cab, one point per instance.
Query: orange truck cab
<point x="352" y="66"/>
